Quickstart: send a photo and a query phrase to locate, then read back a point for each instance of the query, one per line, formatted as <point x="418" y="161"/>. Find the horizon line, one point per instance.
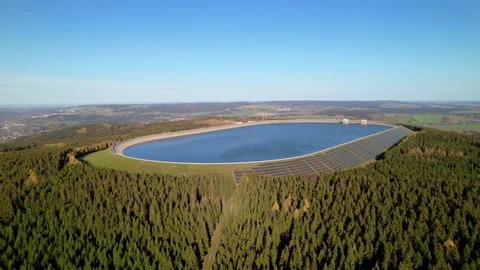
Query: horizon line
<point x="226" y="102"/>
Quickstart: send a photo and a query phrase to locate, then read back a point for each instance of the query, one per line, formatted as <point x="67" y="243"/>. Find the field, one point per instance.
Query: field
<point x="107" y="159"/>
<point x="421" y="119"/>
<point x="399" y="118"/>
<point x="447" y="122"/>
<point x="459" y="127"/>
<point x="428" y="118"/>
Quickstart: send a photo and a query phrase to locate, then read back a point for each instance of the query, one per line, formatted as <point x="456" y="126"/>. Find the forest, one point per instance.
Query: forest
<point x="417" y="206"/>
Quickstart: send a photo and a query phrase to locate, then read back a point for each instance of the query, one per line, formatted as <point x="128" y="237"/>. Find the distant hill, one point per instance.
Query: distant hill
<point x="18" y="122"/>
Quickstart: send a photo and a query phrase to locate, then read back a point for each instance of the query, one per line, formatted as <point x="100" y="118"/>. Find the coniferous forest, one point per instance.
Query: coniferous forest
<point x="417" y="206"/>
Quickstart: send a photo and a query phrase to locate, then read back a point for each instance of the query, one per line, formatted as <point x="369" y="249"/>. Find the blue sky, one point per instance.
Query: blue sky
<point x="90" y="52"/>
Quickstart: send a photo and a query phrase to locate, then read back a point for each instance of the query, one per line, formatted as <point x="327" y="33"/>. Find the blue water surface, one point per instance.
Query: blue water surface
<point x="251" y="143"/>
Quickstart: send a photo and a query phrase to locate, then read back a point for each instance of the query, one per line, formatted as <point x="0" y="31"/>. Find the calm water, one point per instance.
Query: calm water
<point x="252" y="143"/>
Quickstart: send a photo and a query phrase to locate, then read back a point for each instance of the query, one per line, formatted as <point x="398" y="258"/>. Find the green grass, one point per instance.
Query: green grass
<point x="107" y="159"/>
<point x="399" y="118"/>
<point x="428" y="118"/>
<point x="459" y="127"/>
<point x="422" y="119"/>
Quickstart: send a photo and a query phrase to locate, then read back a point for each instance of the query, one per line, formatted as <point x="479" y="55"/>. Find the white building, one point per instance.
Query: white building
<point x="363" y="122"/>
<point x="345" y="121"/>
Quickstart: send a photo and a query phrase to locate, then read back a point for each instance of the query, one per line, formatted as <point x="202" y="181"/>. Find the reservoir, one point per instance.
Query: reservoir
<point x="251" y="143"/>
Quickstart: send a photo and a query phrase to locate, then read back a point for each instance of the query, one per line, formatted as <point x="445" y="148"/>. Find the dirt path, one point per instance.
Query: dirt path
<point x="209" y="259"/>
<point x="231" y="209"/>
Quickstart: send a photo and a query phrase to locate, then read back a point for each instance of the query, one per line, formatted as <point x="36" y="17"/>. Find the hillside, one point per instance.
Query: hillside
<point x="417" y="207"/>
